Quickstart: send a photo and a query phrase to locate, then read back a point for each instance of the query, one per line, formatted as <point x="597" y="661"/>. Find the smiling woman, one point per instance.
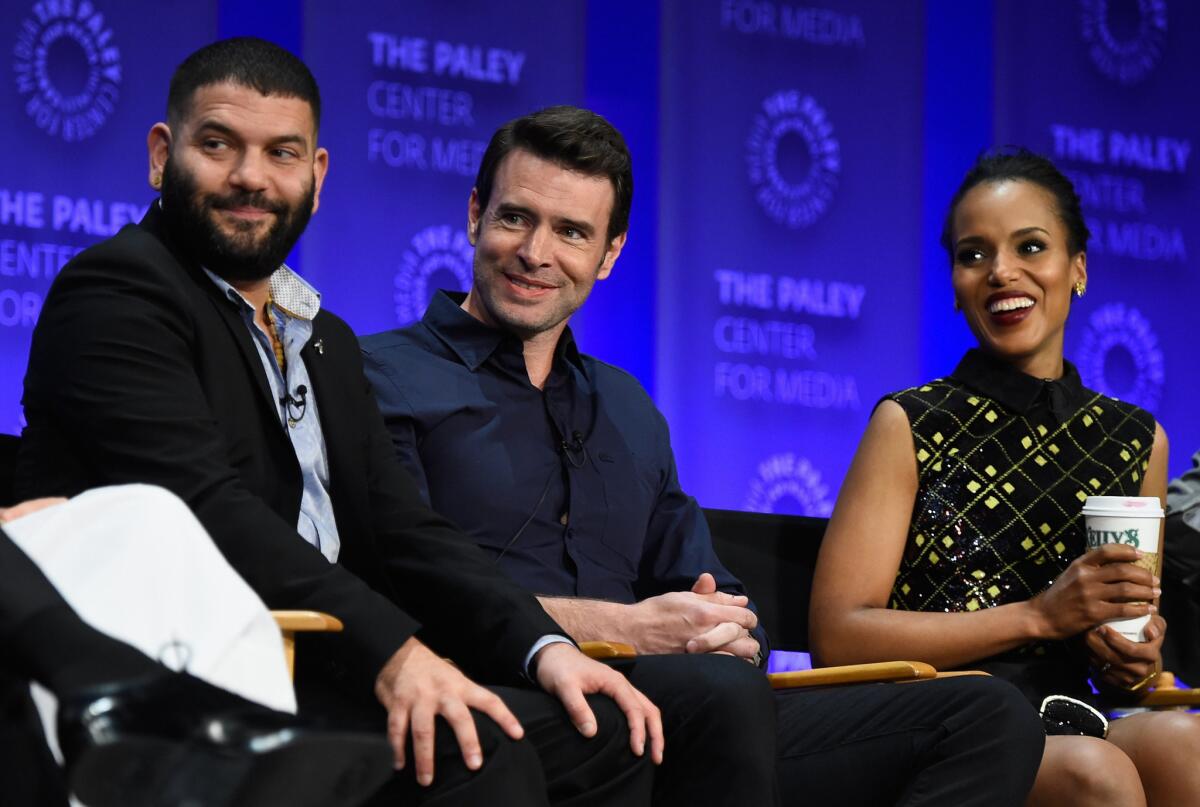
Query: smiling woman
<point x="957" y="538"/>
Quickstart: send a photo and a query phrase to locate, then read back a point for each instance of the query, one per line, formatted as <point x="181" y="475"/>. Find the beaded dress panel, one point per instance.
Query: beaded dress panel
<point x="1004" y="463"/>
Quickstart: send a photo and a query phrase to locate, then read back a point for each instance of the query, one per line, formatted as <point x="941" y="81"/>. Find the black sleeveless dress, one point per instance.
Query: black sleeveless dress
<point x="1004" y="463"/>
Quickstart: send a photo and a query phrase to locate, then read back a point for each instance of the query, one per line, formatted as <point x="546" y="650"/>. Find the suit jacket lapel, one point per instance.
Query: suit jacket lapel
<point x="153" y="221"/>
<point x="245" y="342"/>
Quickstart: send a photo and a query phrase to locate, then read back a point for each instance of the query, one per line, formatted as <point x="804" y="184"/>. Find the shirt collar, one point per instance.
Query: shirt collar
<point x="290" y="293"/>
<point x="1018" y="391"/>
<point x="474" y="342"/>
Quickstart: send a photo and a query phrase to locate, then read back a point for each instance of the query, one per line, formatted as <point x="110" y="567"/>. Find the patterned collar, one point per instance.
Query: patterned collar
<point x="1018" y="391"/>
<point x="290" y="293"/>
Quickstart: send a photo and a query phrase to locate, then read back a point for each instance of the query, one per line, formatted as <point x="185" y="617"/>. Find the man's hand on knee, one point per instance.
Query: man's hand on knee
<point x="416" y="686"/>
<point x="569" y="675"/>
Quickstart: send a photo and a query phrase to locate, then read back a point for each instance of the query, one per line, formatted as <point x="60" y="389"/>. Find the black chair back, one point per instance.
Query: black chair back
<point x="9" y="445"/>
<point x="775" y="557"/>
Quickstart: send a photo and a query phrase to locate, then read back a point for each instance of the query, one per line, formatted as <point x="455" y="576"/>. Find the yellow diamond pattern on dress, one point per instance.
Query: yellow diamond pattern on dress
<point x="1136" y="444"/>
<point x="1135" y="476"/>
<point x="992" y="488"/>
<point x="1125" y="455"/>
<point x="1087" y="420"/>
<point x="922" y="455"/>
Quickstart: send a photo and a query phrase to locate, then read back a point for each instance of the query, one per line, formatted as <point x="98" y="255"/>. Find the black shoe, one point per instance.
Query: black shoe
<point x="175" y="741"/>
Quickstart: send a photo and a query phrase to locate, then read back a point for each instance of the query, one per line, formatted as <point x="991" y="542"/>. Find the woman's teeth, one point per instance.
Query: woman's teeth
<point x="1010" y="304"/>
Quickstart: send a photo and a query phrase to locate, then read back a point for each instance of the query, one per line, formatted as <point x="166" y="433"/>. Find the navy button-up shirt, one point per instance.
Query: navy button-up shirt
<point x="572" y="489"/>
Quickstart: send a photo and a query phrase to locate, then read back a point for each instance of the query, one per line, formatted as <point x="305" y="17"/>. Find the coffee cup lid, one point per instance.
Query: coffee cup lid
<point x="1136" y="506"/>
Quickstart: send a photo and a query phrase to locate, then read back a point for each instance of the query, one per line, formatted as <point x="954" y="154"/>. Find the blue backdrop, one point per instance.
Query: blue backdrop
<point x="792" y="166"/>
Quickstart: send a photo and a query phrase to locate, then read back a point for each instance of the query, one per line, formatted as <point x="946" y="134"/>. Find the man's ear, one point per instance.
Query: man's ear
<point x="158" y="147"/>
<point x="320" y="168"/>
<point x="610" y="256"/>
<point x="474" y="214"/>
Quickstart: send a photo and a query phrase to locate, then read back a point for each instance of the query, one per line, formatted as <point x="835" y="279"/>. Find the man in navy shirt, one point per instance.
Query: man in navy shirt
<point x="560" y="467"/>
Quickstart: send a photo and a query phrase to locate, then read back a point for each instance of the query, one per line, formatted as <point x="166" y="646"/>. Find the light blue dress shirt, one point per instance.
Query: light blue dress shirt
<point x="294" y="305"/>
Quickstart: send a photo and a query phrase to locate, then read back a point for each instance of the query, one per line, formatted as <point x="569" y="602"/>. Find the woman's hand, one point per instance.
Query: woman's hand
<point x="1100" y="585"/>
<point x="1122" y="664"/>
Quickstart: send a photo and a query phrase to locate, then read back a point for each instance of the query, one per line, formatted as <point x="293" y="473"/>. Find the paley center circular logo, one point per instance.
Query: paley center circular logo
<point x="793" y="158"/>
<point x="1125" y="38"/>
<point x="788" y="483"/>
<point x="438" y="257"/>
<point x="68" y="68"/>
<point x="1120" y="357"/>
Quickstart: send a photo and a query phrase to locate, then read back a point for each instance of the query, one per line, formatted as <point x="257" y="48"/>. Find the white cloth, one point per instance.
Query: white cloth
<point x="134" y="563"/>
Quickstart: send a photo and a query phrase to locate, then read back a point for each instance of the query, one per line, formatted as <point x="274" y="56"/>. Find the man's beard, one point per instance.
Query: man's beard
<point x="189" y="217"/>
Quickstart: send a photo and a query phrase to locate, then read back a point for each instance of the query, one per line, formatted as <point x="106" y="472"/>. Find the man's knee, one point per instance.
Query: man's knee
<point x="985" y="701"/>
<point x="725" y="690"/>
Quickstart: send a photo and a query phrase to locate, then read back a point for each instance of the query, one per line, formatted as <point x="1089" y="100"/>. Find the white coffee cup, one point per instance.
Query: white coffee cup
<point x="1132" y="520"/>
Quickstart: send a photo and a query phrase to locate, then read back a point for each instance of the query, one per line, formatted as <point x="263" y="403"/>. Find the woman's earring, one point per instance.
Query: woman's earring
<point x="1080" y="288"/>
<point x="156" y="181"/>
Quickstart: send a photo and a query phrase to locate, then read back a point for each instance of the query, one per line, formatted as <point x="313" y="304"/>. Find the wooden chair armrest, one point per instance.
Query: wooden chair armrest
<point x="300" y="621"/>
<point x="602" y="650"/>
<point x="292" y="622"/>
<point x="853" y="674"/>
<point x="1163" y="693"/>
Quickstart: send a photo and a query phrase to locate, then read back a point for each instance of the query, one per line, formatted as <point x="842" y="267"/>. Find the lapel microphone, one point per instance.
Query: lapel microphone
<point x="575" y="451"/>
<point x="299" y="403"/>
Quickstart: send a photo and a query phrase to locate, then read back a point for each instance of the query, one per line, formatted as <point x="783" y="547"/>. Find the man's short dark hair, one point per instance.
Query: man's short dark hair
<point x="248" y="62"/>
<point x="576" y="139"/>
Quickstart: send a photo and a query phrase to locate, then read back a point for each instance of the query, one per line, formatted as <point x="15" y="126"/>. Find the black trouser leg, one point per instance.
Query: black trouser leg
<point x="719" y="721"/>
<point x="959" y="742"/>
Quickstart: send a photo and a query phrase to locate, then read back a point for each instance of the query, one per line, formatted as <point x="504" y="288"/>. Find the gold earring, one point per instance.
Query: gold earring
<point x="1080" y="288"/>
<point x="156" y="181"/>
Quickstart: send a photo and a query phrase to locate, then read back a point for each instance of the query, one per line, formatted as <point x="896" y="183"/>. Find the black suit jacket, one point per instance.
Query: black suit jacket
<point x="142" y="371"/>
